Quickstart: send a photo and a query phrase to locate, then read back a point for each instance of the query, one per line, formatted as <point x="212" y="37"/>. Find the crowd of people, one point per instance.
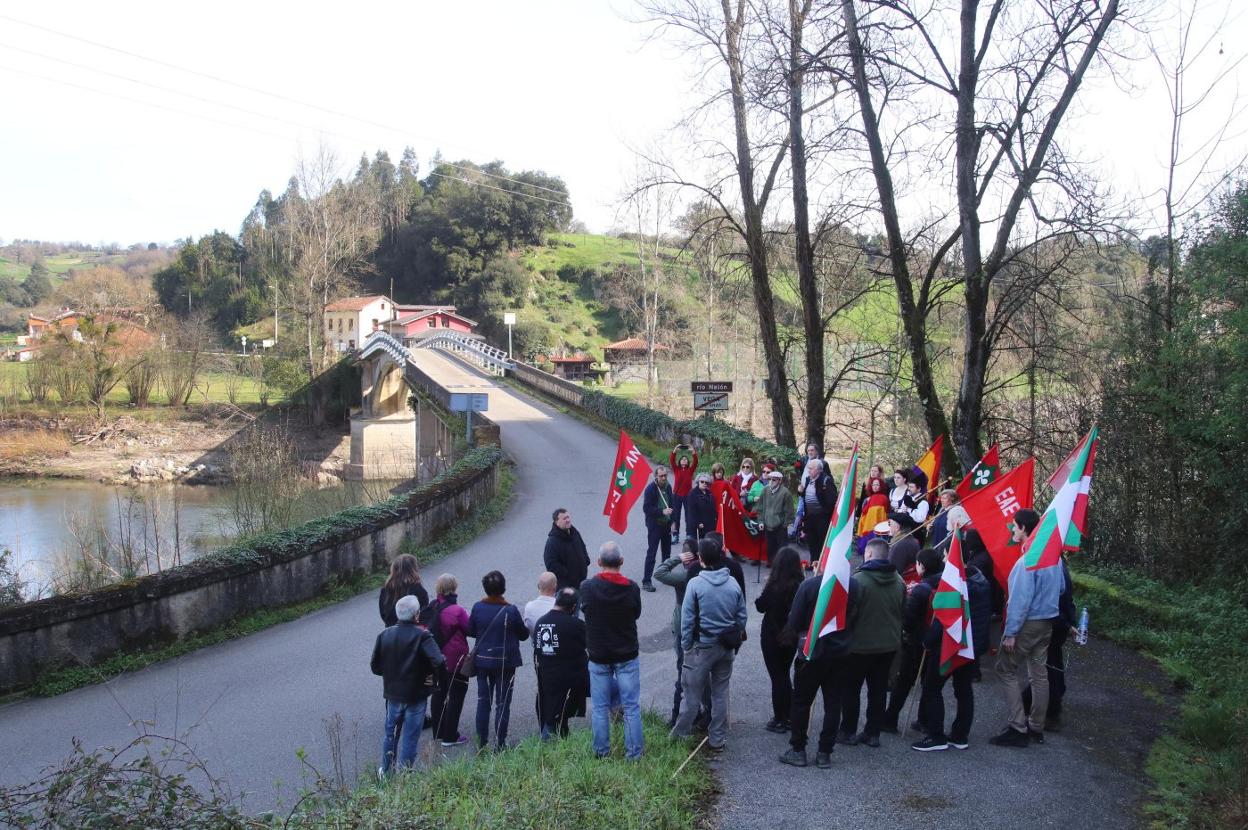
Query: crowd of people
<point x="583" y="628"/>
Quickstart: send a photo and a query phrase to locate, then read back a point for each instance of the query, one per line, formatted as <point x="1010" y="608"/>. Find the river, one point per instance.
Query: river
<point x="53" y="526"/>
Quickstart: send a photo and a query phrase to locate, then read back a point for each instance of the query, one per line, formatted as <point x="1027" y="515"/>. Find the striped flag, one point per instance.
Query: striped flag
<point x="832" y="605"/>
<point x="951" y="606"/>
<point x="930" y="463"/>
<point x="1063" y="524"/>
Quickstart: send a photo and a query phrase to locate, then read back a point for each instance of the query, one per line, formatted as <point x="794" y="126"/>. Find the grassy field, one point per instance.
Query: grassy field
<point x="214" y="387"/>
<point x="58" y="265"/>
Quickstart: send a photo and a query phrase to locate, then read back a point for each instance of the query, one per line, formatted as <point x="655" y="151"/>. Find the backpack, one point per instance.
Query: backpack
<point x="431" y="618"/>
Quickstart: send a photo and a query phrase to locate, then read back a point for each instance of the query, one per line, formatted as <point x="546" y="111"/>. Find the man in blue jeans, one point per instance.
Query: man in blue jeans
<point x="408" y="660"/>
<point x="611" y="603"/>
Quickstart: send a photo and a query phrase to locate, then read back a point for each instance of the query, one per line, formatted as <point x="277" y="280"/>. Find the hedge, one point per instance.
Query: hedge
<point x="717" y="435"/>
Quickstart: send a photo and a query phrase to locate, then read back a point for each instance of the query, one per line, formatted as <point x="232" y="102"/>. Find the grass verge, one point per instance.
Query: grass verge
<point x="1199" y="636"/>
<point x="558" y="784"/>
<point x="66" y="679"/>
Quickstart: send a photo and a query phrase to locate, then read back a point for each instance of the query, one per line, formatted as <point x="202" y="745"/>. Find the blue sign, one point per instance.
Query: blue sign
<point x="470" y="402"/>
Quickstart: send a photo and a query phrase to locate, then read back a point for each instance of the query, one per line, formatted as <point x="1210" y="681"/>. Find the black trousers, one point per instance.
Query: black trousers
<point x="779" y="659"/>
<point x="658" y="537"/>
<point x="911" y="656"/>
<point x="447" y="704"/>
<point x="871" y="669"/>
<point x="776" y="539"/>
<point x="932" y="701"/>
<point x="809" y="679"/>
<point x="816" y="528"/>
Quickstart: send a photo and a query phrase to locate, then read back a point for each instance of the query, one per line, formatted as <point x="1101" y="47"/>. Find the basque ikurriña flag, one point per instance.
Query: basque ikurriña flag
<point x="951" y="606"/>
<point x="628" y="477"/>
<point x="832" y="605"/>
<point x="1063" y="523"/>
<point x="985" y="472"/>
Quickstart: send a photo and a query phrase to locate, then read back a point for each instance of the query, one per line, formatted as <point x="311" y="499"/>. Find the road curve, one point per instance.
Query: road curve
<point x="247" y="706"/>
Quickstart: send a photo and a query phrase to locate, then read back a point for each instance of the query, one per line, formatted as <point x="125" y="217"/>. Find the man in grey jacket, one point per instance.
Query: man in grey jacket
<point x="712" y="628"/>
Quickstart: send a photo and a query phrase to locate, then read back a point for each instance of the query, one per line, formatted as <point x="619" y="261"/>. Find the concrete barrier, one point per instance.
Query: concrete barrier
<point x="84" y="629"/>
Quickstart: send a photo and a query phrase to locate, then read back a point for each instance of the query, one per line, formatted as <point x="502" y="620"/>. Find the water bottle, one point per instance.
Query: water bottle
<point x="1082" y="637"/>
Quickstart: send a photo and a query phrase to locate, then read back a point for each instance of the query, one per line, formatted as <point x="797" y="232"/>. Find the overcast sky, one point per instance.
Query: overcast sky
<point x="564" y="86"/>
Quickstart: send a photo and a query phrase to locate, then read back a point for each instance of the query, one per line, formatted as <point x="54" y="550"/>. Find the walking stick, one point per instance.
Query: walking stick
<point x="690" y="758"/>
<point x="918" y="681"/>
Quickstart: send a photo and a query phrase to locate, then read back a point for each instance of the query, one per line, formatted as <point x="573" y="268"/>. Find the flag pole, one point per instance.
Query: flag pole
<point x="918" y="680"/>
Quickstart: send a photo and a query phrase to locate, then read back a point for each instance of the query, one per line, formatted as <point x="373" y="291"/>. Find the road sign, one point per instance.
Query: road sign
<point x="710" y="386"/>
<point x="509" y="318"/>
<point x="470" y="402"/>
<point x="710" y="401"/>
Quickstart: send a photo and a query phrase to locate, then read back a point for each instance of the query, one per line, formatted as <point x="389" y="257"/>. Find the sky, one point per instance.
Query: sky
<point x="101" y="146"/>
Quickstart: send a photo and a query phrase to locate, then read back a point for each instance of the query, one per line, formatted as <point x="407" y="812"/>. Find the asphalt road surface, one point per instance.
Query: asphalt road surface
<point x="248" y="706"/>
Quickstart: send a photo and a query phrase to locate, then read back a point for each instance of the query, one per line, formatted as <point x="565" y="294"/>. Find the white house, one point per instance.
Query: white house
<point x="352" y="319"/>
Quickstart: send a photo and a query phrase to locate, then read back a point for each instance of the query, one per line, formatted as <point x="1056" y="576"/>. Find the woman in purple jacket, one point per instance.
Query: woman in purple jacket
<point x="451" y="633"/>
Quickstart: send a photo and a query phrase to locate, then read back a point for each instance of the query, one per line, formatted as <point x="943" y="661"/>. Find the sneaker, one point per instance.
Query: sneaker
<point x="848" y="740"/>
<point x="794" y="758"/>
<point x="459" y="741"/>
<point x="779" y="727"/>
<point x="823" y="760"/>
<point x="958" y="743"/>
<point x="712" y="748"/>
<point x="930" y="744"/>
<point x="647" y="585"/>
<point x="1035" y="736"/>
<point x="872" y="741"/>
<point x="1010" y="737"/>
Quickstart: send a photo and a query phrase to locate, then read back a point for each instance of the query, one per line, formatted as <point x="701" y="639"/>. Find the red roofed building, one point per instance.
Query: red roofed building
<point x="411" y="325"/>
<point x="627" y="358"/>
<point x="576" y="367"/>
<point x="349" y="321"/>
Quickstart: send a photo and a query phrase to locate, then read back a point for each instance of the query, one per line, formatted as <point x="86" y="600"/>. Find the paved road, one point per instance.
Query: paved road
<point x="249" y="705"/>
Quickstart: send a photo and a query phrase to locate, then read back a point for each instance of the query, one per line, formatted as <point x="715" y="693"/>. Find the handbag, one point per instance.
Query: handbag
<point x="468" y="666"/>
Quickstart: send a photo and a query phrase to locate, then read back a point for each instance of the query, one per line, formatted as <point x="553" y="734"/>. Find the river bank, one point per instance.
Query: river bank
<point x="188" y="446"/>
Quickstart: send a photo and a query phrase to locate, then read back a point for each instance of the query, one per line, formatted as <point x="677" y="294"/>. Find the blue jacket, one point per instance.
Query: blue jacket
<point x="652" y="505"/>
<point x="1034" y="595"/>
<point x="714" y="600"/>
<point x="498" y="640"/>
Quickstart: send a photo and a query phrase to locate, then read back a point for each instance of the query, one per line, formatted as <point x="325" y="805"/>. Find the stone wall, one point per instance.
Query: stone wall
<point x="86" y="628"/>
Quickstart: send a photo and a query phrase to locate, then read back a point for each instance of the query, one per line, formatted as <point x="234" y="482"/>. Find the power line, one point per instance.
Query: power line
<point x="259" y="91"/>
<point x="152" y="104"/>
<point x="499" y="189"/>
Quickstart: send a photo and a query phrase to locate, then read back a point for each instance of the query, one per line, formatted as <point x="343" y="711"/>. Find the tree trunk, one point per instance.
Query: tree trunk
<point x="812" y="315"/>
<point x="913" y="316"/>
<point x="777" y="384"/>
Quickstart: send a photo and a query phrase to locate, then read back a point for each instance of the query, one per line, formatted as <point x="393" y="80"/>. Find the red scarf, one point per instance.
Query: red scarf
<point x="617" y="578"/>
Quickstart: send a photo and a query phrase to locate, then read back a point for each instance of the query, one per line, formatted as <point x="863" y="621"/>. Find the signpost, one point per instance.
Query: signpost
<point x="710" y="395"/>
<point x="468" y="403"/>
<point x="509" y="318"/>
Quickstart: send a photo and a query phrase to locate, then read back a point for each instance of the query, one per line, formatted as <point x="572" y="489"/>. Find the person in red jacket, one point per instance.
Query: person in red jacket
<point x="683" y="470"/>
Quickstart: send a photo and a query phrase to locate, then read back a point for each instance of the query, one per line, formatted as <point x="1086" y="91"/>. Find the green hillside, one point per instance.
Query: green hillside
<point x="58" y="265"/>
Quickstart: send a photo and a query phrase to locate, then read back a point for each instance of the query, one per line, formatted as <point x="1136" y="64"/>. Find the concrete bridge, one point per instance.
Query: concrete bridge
<point x="389" y="438"/>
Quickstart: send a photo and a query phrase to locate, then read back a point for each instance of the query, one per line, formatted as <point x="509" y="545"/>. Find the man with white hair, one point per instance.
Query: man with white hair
<point x="408" y="660"/>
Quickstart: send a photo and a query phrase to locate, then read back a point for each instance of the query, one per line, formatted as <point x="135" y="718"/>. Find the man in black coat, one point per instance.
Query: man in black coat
<point x="408" y="660"/>
<point x="562" y="665"/>
<point x="915" y="619"/>
<point x="656" y="505"/>
<point x="565" y="556"/>
<point x="824" y="671"/>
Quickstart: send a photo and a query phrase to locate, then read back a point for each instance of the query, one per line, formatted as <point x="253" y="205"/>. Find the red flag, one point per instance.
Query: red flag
<point x="628" y="478"/>
<point x="991" y="510"/>
<point x="731" y="524"/>
<point x="951" y="606"/>
<point x="983" y="474"/>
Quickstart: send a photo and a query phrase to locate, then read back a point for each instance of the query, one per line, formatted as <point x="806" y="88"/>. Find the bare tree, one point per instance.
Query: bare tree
<point x="1003" y="88"/>
<point x="729" y="30"/>
<point x="328" y="237"/>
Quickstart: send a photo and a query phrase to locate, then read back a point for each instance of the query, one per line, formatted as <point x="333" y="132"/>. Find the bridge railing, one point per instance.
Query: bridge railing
<point x="380" y="341"/>
<point x="488" y="357"/>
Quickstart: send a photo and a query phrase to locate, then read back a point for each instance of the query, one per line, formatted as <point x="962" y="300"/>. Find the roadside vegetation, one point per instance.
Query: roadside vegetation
<point x="160" y="784"/>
